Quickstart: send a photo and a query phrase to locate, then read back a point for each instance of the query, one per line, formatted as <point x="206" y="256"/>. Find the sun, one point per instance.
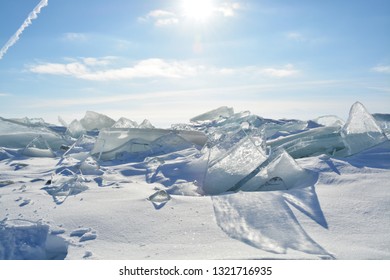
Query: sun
<point x="198" y="10"/>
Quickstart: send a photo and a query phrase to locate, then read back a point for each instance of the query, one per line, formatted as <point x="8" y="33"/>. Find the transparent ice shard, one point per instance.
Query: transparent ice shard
<point x="65" y="184"/>
<point x="38" y="147"/>
<point x="316" y="141"/>
<point x="146" y="124"/>
<point x="76" y="129"/>
<point x="361" y="131"/>
<point x="330" y="120"/>
<point x="221" y="112"/>
<point x="125" y="123"/>
<point x="384" y="122"/>
<point x="112" y="143"/>
<point x="279" y="172"/>
<point x="90" y="166"/>
<point x="19" y="135"/>
<point x="93" y="120"/>
<point x="226" y="170"/>
<point x="82" y="148"/>
<point x="159" y="198"/>
<point x="169" y="143"/>
<point x="62" y="121"/>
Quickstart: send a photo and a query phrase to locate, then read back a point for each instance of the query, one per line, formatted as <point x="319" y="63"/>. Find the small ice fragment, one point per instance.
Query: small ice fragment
<point x="79" y="232"/>
<point x="361" y="131"/>
<point x="159" y="197"/>
<point x="88" y="236"/>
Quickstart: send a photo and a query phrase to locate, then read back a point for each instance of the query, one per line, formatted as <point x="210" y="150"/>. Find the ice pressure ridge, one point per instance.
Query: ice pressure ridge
<point x="216" y="152"/>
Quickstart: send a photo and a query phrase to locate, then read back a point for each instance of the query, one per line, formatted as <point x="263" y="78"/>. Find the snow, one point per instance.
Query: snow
<point x="221" y="187"/>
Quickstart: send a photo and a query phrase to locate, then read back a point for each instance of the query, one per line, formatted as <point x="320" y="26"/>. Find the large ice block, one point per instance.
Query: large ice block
<point x="361" y="131"/>
<point x="18" y="135"/>
<point x="226" y="170"/>
<point x="316" y="141"/>
<point x="215" y="114"/>
<point x="38" y="147"/>
<point x="113" y="142"/>
<point x="93" y="120"/>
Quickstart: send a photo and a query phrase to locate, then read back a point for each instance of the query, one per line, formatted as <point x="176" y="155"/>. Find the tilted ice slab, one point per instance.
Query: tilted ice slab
<point x="320" y="140"/>
<point x="38" y="147"/>
<point x="76" y="129"/>
<point x="330" y="120"/>
<point x="82" y="148"/>
<point x="361" y="131"/>
<point x="112" y="142"/>
<point x="18" y="135"/>
<point x="227" y="169"/>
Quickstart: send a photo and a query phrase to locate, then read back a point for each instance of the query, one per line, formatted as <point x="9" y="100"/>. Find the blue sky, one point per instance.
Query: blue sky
<point x="170" y="60"/>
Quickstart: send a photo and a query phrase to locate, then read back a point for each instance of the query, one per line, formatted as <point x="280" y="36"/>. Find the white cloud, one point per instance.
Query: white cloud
<point x="104" y="69"/>
<point x="296" y="36"/>
<point x="228" y="9"/>
<point x="2" y="94"/>
<point x="381" y="69"/>
<point x="75" y="37"/>
<point x="86" y="69"/>
<point x="286" y="71"/>
<point x="160" y="18"/>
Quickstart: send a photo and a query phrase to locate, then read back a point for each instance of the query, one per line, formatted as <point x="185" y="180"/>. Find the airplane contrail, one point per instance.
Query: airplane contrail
<point x="26" y="23"/>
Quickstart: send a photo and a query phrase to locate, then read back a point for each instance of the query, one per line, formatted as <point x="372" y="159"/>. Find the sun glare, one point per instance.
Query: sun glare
<point x="198" y="10"/>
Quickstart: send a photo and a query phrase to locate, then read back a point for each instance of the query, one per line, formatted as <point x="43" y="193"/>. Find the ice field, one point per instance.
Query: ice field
<point x="225" y="185"/>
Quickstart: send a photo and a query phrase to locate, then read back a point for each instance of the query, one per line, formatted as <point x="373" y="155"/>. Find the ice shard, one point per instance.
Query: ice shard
<point x="90" y="166"/>
<point x="82" y="148"/>
<point x="279" y="172"/>
<point x="361" y="131"/>
<point x="38" y="147"/>
<point x="125" y="123"/>
<point x="64" y="184"/>
<point x="330" y="120"/>
<point x="76" y="129"/>
<point x="93" y="120"/>
<point x="112" y="143"/>
<point x="221" y="112"/>
<point x="146" y="124"/>
<point x="227" y="169"/>
<point x="159" y="198"/>
<point x="18" y="135"/>
<point x="316" y="141"/>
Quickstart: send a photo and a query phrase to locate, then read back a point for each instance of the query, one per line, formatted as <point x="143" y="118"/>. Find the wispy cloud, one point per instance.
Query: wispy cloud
<point x="74" y="37"/>
<point x="160" y="17"/>
<point x="228" y="9"/>
<point x="287" y="71"/>
<point x="105" y="69"/>
<point x="381" y="69"/>
<point x="87" y="69"/>
<point x="2" y="94"/>
<point x="33" y="15"/>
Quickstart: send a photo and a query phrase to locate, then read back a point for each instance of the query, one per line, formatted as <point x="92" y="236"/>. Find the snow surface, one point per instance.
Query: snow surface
<point x="246" y="194"/>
